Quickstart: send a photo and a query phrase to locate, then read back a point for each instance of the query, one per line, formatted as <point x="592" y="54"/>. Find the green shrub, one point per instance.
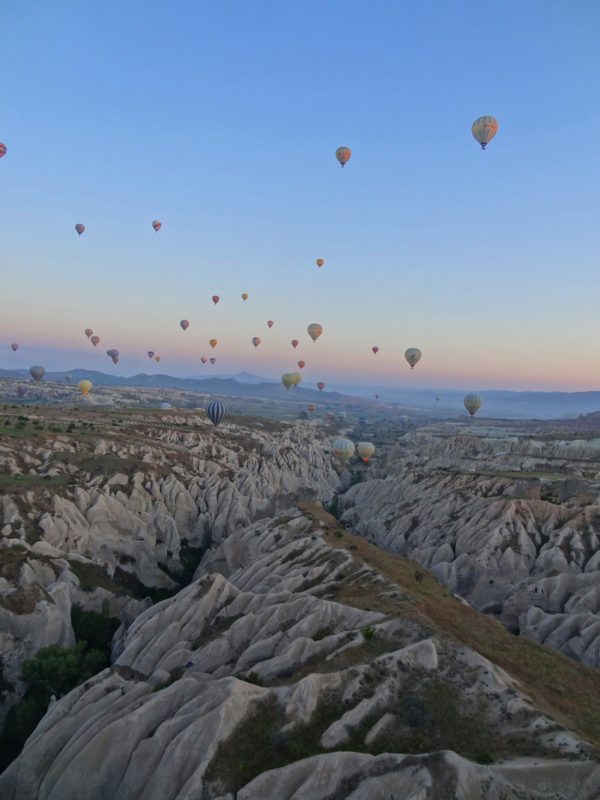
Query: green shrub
<point x="369" y="632"/>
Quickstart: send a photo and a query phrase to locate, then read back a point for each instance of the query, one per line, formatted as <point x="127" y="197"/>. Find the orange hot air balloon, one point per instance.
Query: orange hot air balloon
<point x="157" y="359"/>
<point x="157" y="225"/>
<point x="3" y="149"/>
<point x="375" y="349"/>
<point x="314" y="330"/>
<point x="79" y="228"/>
<point x="95" y="340"/>
<point x="295" y="343"/>
<point x="215" y="298"/>
<point x="184" y="324"/>
<point x="213" y="360"/>
<point x="203" y="359"/>
<point x="343" y="155"/>
<point x="320" y="386"/>
<point x="302" y="364"/>
<point x="213" y="342"/>
<point x="319" y="262"/>
<point x="256" y="341"/>
<point x="88" y="332"/>
<point x="85" y="387"/>
<point x="244" y="296"/>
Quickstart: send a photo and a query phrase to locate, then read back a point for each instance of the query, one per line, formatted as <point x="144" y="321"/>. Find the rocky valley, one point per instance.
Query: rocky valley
<point x="280" y="626"/>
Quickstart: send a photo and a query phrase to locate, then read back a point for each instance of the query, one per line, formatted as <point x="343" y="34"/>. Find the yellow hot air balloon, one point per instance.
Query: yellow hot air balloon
<point x="244" y="296"/>
<point x="314" y="330"/>
<point x="85" y="387"/>
<point x="288" y="380"/>
<point x="484" y="129"/>
<point x="343" y="449"/>
<point x="296" y="378"/>
<point x="413" y="356"/>
<point x="473" y="403"/>
<point x="343" y="155"/>
<point x="365" y="450"/>
<point x="213" y="342"/>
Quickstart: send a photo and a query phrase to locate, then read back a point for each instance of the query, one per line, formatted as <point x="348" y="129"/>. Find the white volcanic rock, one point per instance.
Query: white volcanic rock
<point x="462" y="505"/>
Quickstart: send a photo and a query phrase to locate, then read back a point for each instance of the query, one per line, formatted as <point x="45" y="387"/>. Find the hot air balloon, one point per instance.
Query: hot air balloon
<point x="320" y="386"/>
<point x="256" y="341"/>
<point x="213" y="342"/>
<point x="157" y="359"/>
<point x="437" y="399"/>
<point x="365" y="450"/>
<point x="319" y="262"/>
<point x="244" y="296"/>
<point x="311" y="407"/>
<point x="375" y="349"/>
<point x="3" y="149"/>
<point x="115" y="359"/>
<point x="295" y="343"/>
<point x="314" y="330"/>
<point x="184" y="324"/>
<point x="343" y="449"/>
<point x="413" y="356"/>
<point x="88" y="332"/>
<point x="67" y="378"/>
<point x="376" y="397"/>
<point x="157" y="225"/>
<point x="14" y="347"/>
<point x="270" y="323"/>
<point x="84" y="387"/>
<point x="484" y="129"/>
<point x="21" y="391"/>
<point x="37" y="373"/>
<point x="215" y="411"/>
<point x="95" y="340"/>
<point x="302" y="364"/>
<point x="150" y="353"/>
<point x="296" y="378"/>
<point x="213" y="360"/>
<point x="79" y="228"/>
<point x="287" y="380"/>
<point x="112" y="353"/>
<point x="343" y="155"/>
<point x="203" y="359"/>
<point x="215" y="298"/>
<point x="473" y="403"/>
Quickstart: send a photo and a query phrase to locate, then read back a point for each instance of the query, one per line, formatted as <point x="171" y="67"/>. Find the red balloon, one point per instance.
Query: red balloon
<point x="215" y="298"/>
<point x="3" y="149"/>
<point x="302" y="364"/>
<point x="375" y="349"/>
<point x="270" y="323"/>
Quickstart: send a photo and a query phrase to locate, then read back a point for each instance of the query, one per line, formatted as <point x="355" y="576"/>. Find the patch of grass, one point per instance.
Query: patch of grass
<point x="368" y="632"/>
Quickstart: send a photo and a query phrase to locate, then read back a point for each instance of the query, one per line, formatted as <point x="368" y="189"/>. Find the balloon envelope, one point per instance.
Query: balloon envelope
<point x="213" y="342"/>
<point x="215" y="298"/>
<point x="79" y="228"/>
<point x="88" y="332"/>
<point x="213" y="360"/>
<point x="95" y="340"/>
<point x="343" y="155"/>
<point x="84" y="387"/>
<point x="215" y="411"/>
<point x="203" y="359"/>
<point x="3" y="149"/>
<point x="287" y="380"/>
<point x="150" y="353"/>
<point x="320" y="386"/>
<point x="473" y="403"/>
<point x="343" y="449"/>
<point x="157" y="225"/>
<point x="256" y="341"/>
<point x="244" y="296"/>
<point x="413" y="356"/>
<point x="21" y="391"/>
<point x="157" y="359"/>
<point x="302" y="364"/>
<point x="184" y="324"/>
<point x="314" y="330"/>
<point x="319" y="262"/>
<point x="375" y="349"/>
<point x="270" y="323"/>
<point x="37" y="373"/>
<point x="295" y="343"/>
<point x="365" y="450"/>
<point x="484" y="129"/>
<point x="14" y="347"/>
<point x="296" y="378"/>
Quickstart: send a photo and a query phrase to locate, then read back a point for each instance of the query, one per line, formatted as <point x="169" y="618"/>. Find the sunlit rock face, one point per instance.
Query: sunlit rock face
<point x="267" y="677"/>
<point x="509" y="521"/>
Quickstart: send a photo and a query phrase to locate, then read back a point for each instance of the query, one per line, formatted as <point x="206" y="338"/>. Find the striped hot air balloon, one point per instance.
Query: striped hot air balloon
<point x="343" y="449"/>
<point x="215" y="411"/>
<point x="484" y="129"/>
<point x="473" y="403"/>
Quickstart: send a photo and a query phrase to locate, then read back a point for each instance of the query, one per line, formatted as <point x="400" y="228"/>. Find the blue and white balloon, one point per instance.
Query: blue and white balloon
<point x="215" y="411"/>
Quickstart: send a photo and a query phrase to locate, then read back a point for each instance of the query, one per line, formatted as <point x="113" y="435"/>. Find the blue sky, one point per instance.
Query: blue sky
<point x="221" y="119"/>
